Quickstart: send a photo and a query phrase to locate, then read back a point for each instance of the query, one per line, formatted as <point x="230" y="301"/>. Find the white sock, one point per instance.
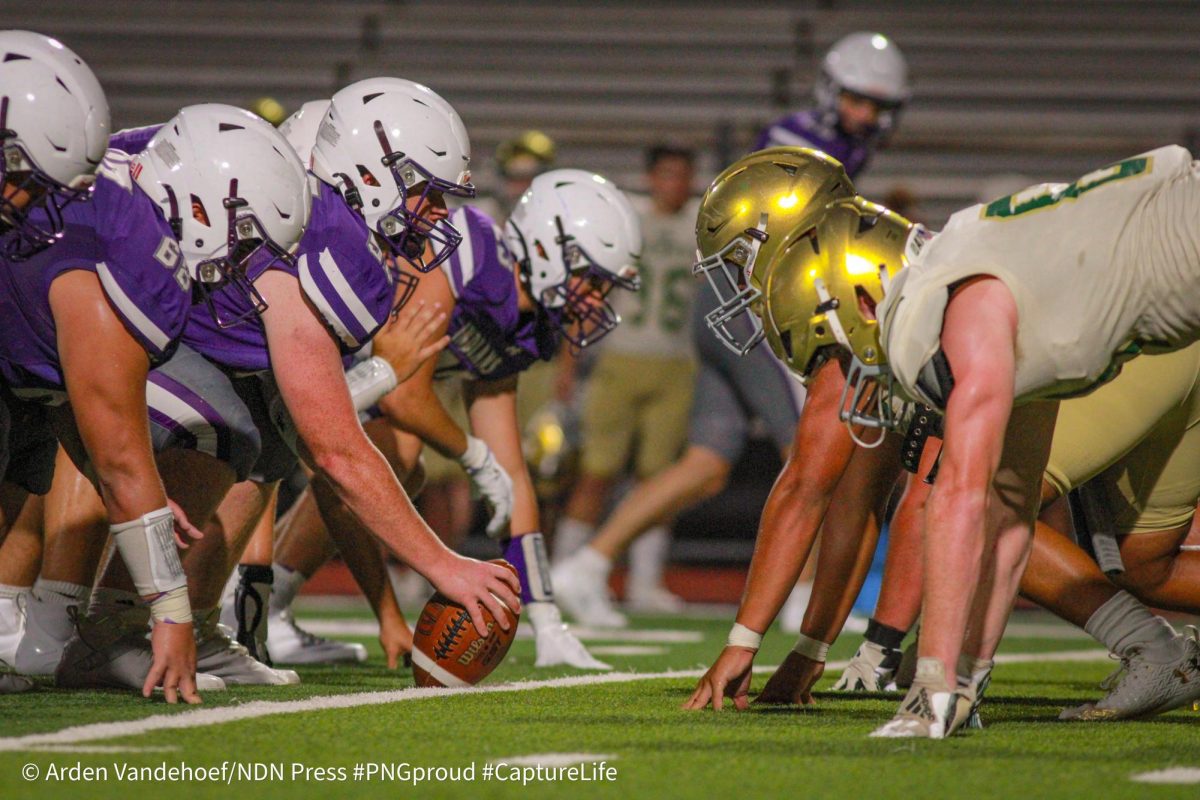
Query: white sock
<point x="648" y="557"/>
<point x="286" y="586"/>
<point x="60" y="591"/>
<point x="592" y="561"/>
<point x="1124" y="622"/>
<point x="569" y="536"/>
<point x="10" y="592"/>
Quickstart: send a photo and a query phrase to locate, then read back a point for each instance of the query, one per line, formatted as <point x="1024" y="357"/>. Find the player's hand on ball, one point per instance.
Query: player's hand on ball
<point x="793" y="681"/>
<point x="412" y="335"/>
<point x="174" y="665"/>
<point x="472" y="584"/>
<point x="728" y="677"/>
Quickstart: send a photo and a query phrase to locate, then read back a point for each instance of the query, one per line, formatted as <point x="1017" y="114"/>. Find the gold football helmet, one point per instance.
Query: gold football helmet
<point x="821" y="289"/>
<point x="744" y="215"/>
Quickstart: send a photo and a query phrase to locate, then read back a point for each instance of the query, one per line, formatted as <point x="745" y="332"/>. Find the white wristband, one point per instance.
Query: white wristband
<point x="369" y="381"/>
<point x="741" y="636"/>
<point x="811" y="648"/>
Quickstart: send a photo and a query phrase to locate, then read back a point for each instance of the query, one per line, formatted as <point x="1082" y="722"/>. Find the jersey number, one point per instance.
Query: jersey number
<point x="672" y="307"/>
<point x="169" y="256"/>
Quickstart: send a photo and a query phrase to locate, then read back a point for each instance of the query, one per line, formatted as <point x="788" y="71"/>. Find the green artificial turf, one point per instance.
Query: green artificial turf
<point x="658" y="750"/>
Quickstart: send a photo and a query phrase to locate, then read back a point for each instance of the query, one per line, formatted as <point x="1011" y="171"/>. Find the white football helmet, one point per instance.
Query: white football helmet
<point x="300" y="129"/>
<point x="869" y="65"/>
<point x="383" y="138"/>
<point x="54" y="127"/>
<point x="575" y="237"/>
<point x="232" y="189"/>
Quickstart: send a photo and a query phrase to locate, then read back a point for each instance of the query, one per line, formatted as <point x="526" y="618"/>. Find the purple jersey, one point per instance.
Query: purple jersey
<point x="121" y="236"/>
<point x="341" y="271"/>
<point x="808" y="129"/>
<point x="489" y="335"/>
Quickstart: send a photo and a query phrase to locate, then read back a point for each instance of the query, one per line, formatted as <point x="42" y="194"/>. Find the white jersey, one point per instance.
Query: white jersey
<point x="654" y="320"/>
<point x="1101" y="269"/>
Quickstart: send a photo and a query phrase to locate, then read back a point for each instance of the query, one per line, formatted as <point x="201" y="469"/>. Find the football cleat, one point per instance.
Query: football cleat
<point x="1154" y="682"/>
<point x="554" y="642"/>
<point x="217" y="654"/>
<point x="871" y="669"/>
<point x="929" y="710"/>
<point x="11" y="682"/>
<point x="583" y="594"/>
<point x="291" y="644"/>
<point x="49" y="626"/>
<point x="112" y="652"/>
<point x="12" y="625"/>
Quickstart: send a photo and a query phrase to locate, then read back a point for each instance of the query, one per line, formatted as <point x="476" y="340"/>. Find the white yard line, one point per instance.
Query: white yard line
<point x="101" y="731"/>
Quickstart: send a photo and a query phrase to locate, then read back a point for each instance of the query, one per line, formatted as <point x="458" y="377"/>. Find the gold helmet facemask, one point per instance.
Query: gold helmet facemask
<point x="826" y="276"/>
<point x="744" y="215"/>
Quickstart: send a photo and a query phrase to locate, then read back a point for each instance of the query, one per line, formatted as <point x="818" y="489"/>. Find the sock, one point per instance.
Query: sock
<point x="930" y="670"/>
<point x="569" y="536"/>
<point x="885" y="636"/>
<point x="285" y="585"/>
<point x="63" y="591"/>
<point x="647" y="557"/>
<point x="593" y="561"/>
<point x="528" y="554"/>
<point x="10" y="592"/>
<point x="1123" y="622"/>
<point x="251" y="602"/>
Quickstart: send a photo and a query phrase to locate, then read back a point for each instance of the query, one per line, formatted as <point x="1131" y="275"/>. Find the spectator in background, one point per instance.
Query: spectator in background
<point x="859" y="94"/>
<point x="640" y="390"/>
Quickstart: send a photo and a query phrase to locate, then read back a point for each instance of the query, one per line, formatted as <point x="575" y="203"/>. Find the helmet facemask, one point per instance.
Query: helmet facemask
<point x="728" y="272"/>
<point x="22" y="235"/>
<point x="407" y="232"/>
<point x="581" y="299"/>
<point x="247" y="246"/>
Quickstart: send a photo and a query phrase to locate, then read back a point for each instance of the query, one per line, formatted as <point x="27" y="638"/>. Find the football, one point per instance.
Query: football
<point x="448" y="651"/>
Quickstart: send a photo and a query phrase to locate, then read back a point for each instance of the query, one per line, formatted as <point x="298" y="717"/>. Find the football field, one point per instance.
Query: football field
<point x="364" y="731"/>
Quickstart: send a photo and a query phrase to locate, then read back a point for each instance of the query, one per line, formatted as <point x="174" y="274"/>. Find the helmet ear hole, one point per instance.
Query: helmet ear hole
<point x="365" y="175"/>
<point x="541" y="251"/>
<point x="199" y="212"/>
<point x="866" y="303"/>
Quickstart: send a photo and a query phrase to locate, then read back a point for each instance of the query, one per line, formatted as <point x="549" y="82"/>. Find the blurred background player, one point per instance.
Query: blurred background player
<point x="639" y="392"/>
<point x="861" y="89"/>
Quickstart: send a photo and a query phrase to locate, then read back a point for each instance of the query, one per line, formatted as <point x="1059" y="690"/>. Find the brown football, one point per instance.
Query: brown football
<point x="448" y="651"/>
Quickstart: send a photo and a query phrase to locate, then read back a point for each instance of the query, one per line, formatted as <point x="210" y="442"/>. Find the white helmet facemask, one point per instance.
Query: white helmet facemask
<point x="234" y="193"/>
<point x="576" y="238"/>
<point x="54" y="127"/>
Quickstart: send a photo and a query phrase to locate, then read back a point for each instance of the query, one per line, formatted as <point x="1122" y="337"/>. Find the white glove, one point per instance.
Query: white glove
<point x="491" y="482"/>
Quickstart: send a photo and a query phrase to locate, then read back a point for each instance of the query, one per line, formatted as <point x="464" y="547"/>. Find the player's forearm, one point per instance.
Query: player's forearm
<point x="363" y="482"/>
<point x="417" y="410"/>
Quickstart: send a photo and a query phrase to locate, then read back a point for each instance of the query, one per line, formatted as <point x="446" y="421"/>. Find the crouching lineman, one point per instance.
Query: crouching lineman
<point x="572" y="239"/>
<point x="228" y="387"/>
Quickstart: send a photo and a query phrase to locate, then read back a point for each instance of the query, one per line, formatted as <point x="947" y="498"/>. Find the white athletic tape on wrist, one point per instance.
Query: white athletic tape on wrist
<point x="369" y="381"/>
<point x="741" y="636"/>
<point x="147" y="545"/>
<point x="476" y="454"/>
<point x="810" y="648"/>
<point x="172" y="606"/>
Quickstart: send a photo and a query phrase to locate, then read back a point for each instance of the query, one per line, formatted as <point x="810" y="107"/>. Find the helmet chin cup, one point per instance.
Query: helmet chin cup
<point x="870" y="392"/>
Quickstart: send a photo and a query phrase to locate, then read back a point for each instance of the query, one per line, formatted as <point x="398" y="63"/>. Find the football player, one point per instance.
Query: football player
<point x="571" y="240"/>
<point x="639" y="391"/>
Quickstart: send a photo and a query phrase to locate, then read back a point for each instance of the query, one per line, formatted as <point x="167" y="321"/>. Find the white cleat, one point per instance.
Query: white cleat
<point x="1153" y="682"/>
<point x="288" y="643"/>
<point x="554" y="642"/>
<point x="583" y="594"/>
<point x="49" y="625"/>
<point x="654" y="600"/>
<point x="113" y="652"/>
<point x="12" y="626"/>
<point x="217" y="654"/>
<point x="929" y="710"/>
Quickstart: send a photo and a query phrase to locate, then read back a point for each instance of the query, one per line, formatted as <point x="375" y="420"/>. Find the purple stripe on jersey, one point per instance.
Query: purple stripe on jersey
<point x="177" y="428"/>
<point x="334" y="298"/>
<point x="202" y="406"/>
